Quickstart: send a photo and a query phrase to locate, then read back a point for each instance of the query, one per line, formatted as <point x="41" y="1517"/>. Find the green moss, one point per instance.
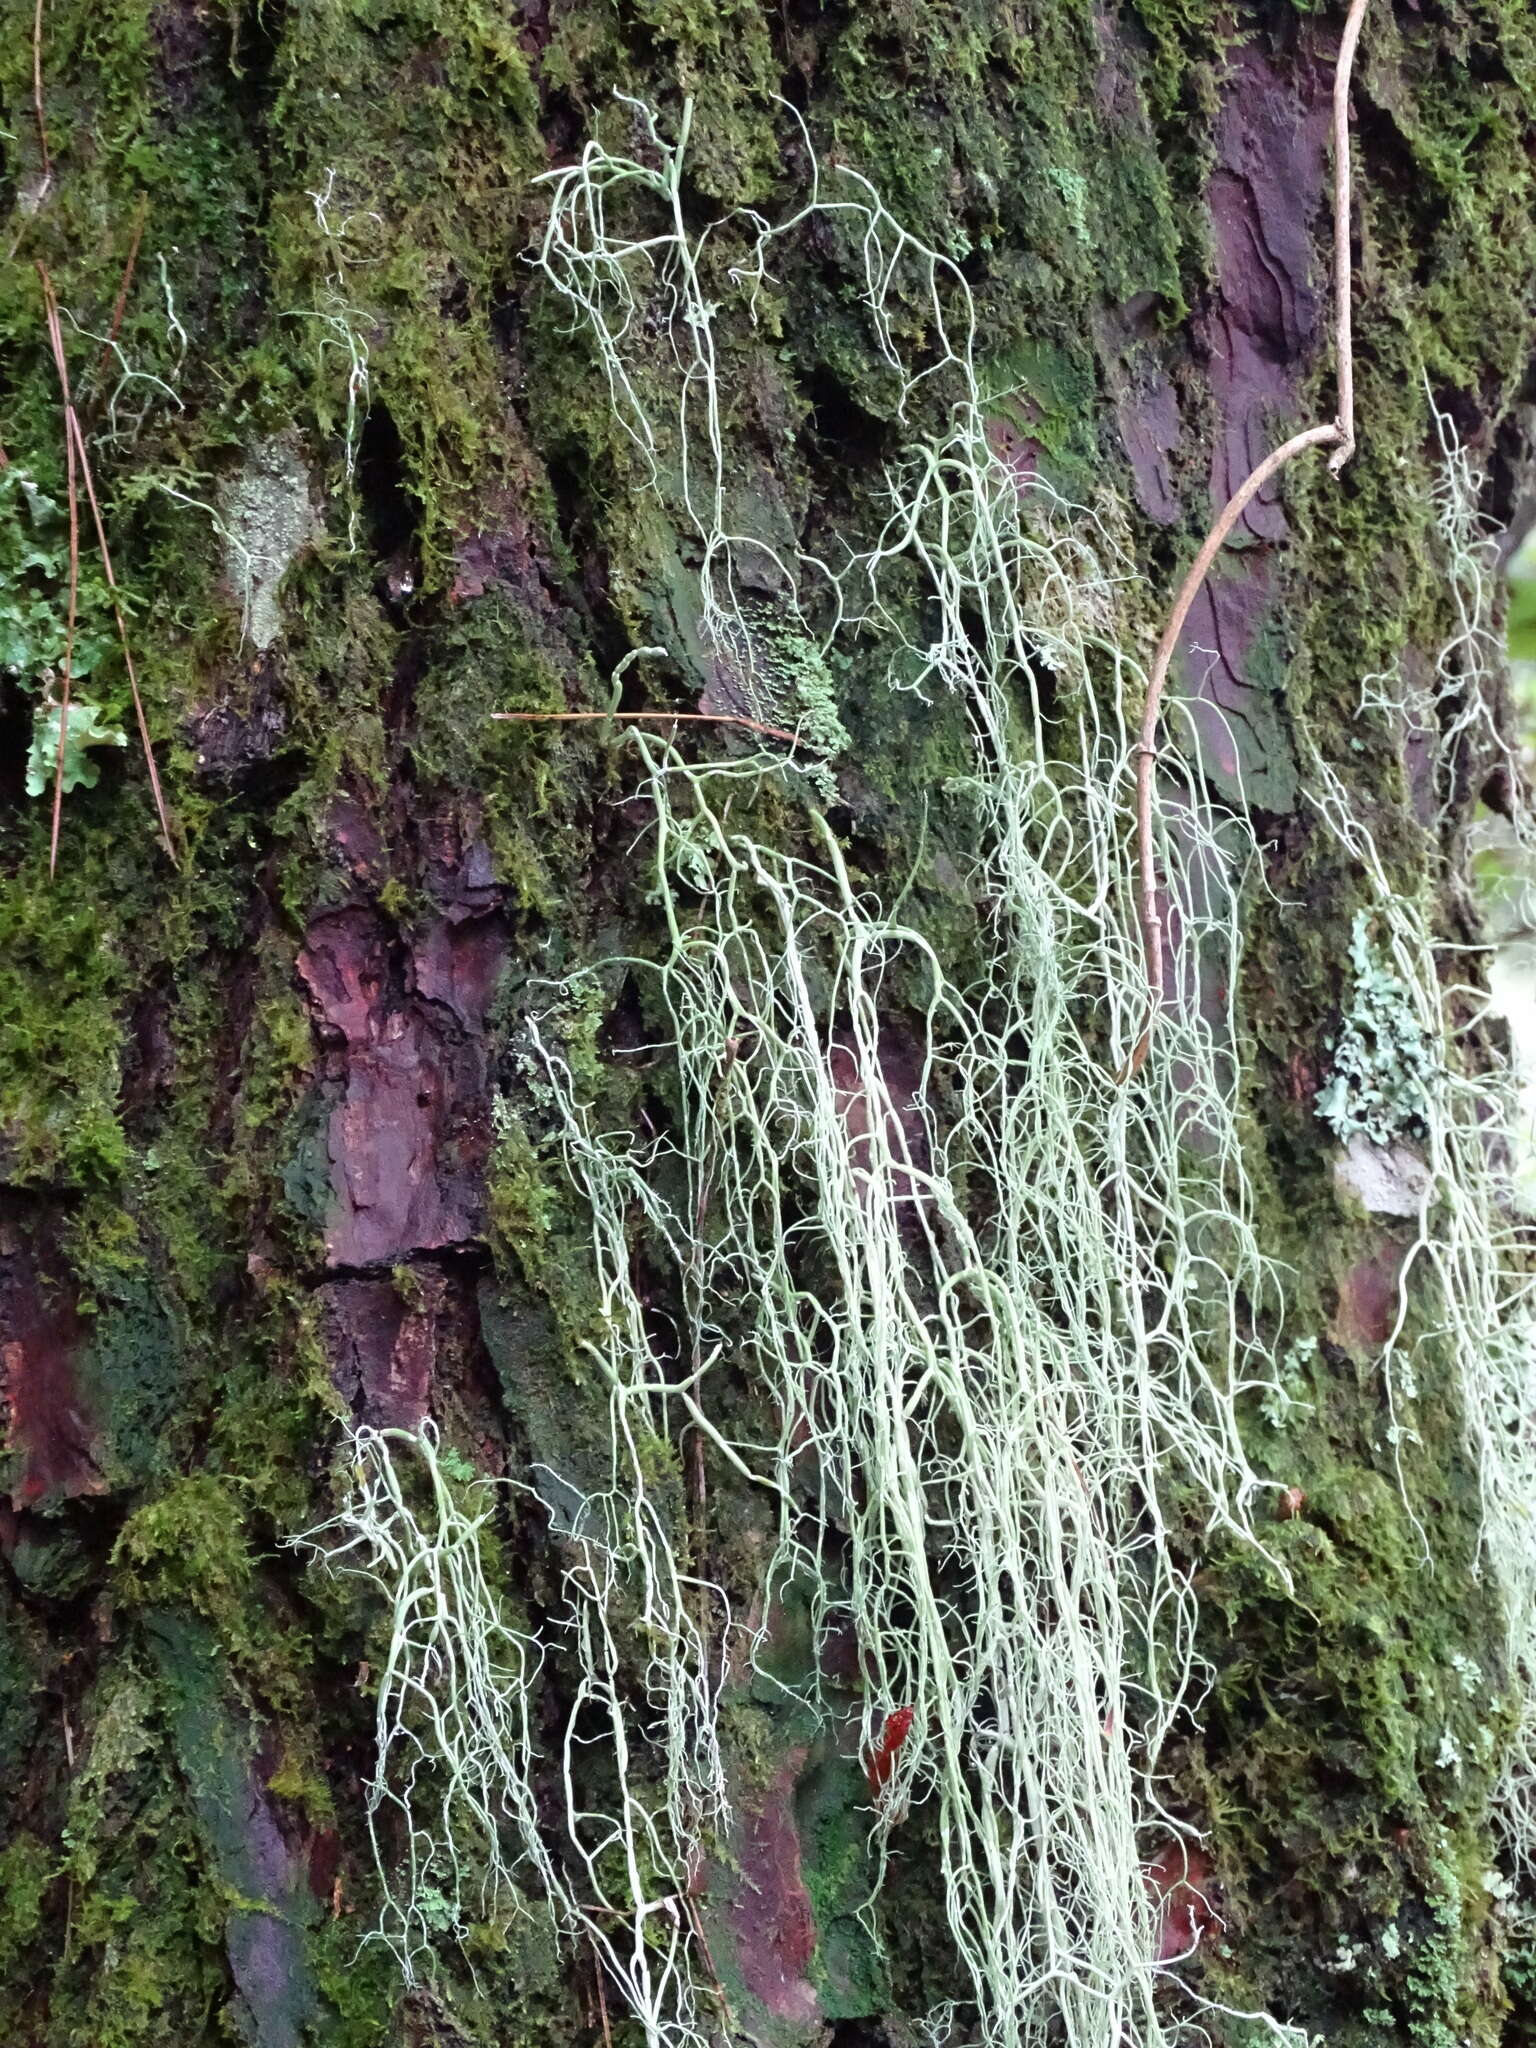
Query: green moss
<point x="1047" y="396"/>
<point x="522" y="1991"/>
<point x="1186" y="36"/>
<point x="186" y="1551"/>
<point x="27" y="1872"/>
<point x="1354" y="1727"/>
<point x="59" y="1070"/>
<point x="278" y="1055"/>
<point x="21" y="1672"/>
<point x="276" y="1403"/>
<point x="832" y="1819"/>
<point x="140" y="1954"/>
<point x="408" y="143"/>
<point x="359" y="1985"/>
<point x="721" y="54"/>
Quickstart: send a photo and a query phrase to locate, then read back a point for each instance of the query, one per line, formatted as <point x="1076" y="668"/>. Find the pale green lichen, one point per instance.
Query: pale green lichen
<point x="87" y="728"/>
<point x="1385" y="1067"/>
<point x="34" y="582"/>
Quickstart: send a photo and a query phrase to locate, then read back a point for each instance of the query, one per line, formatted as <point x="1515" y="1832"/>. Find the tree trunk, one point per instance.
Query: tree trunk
<point x="1010" y="1547"/>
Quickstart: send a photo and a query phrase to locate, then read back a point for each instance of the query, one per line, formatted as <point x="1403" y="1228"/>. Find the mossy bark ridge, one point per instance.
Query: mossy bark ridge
<point x="617" y="1427"/>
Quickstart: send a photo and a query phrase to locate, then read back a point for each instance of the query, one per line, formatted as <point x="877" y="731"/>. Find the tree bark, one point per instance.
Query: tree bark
<point x="271" y="1163"/>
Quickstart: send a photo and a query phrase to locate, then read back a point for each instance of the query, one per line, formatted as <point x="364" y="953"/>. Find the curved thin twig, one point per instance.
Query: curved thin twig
<point x="1343" y="194"/>
<point x="75" y="448"/>
<point x="1338" y="434"/>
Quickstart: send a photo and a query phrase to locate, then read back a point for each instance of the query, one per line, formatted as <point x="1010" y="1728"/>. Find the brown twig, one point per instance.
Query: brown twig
<point x="768" y="732"/>
<point x="602" y="2000"/>
<point x="121" y="304"/>
<point x="74" y="434"/>
<point x="1146" y="752"/>
<point x="1343" y="198"/>
<point x="1338" y="434"/>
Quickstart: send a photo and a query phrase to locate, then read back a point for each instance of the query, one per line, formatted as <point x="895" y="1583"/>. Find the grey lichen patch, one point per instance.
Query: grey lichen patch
<point x="267" y="520"/>
<point x="1386" y="1180"/>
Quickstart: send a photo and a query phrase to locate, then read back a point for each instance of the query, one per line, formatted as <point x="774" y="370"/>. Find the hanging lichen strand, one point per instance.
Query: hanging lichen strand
<point x="453" y="1813"/>
<point x="1002" y="1306"/>
<point x="1419" y="1076"/>
<point x="453" y="1757"/>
